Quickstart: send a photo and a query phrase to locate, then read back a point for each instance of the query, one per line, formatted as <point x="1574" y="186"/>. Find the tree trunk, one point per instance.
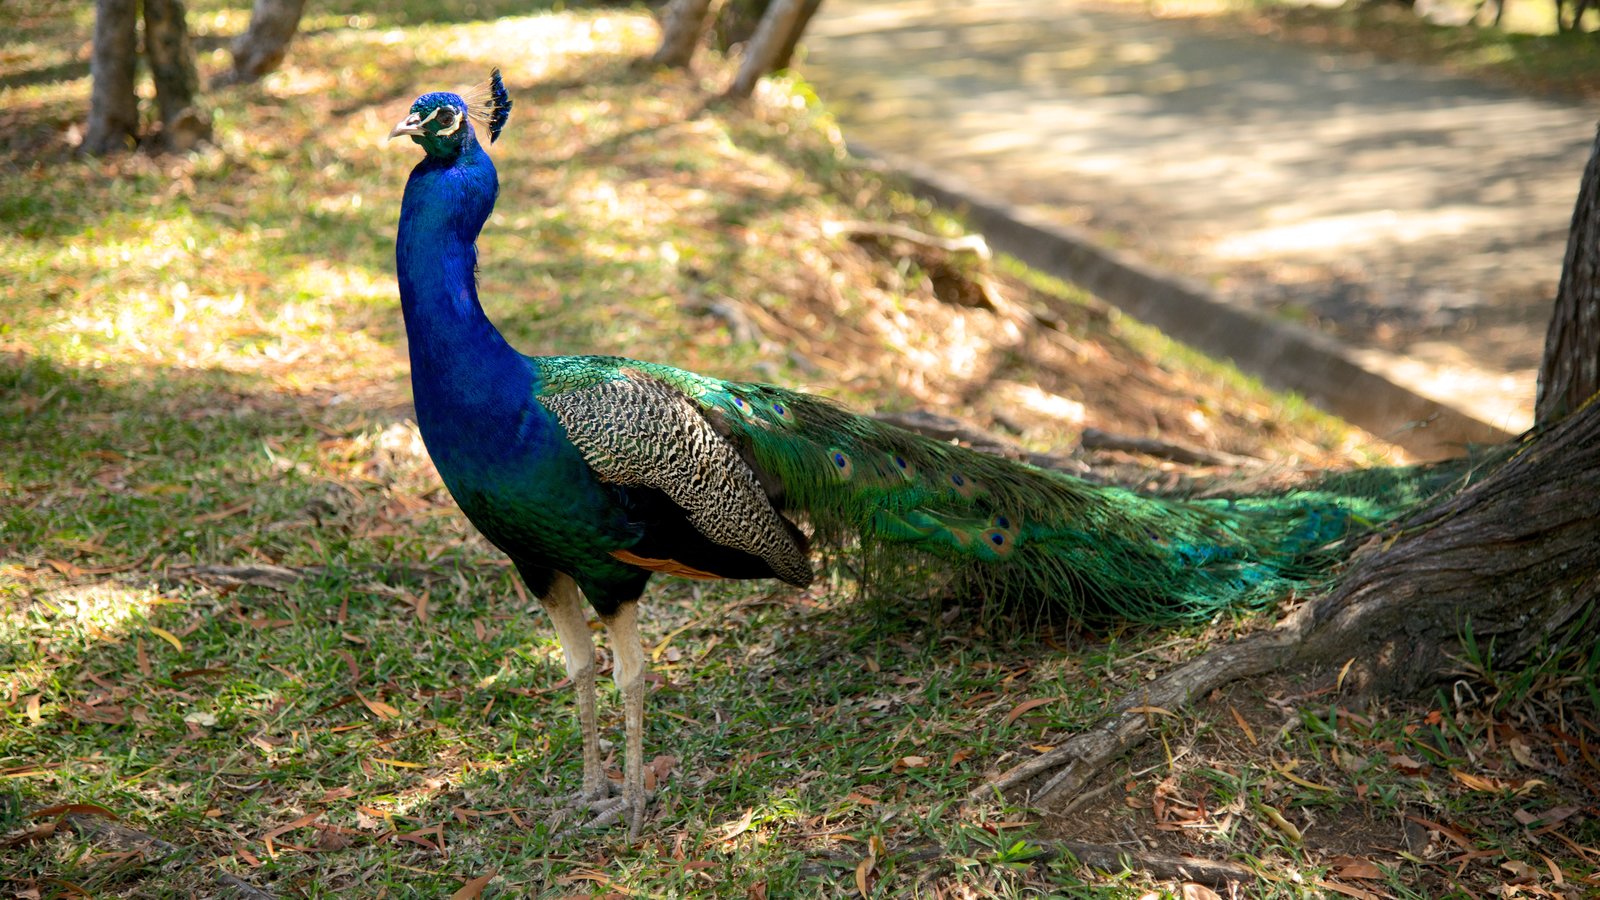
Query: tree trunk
<point x="780" y="23"/>
<point x="808" y="8"/>
<point x="1570" y="373"/>
<point x="680" y="33"/>
<point x="171" y="54"/>
<point x="1514" y="558"/>
<point x="264" y="44"/>
<point x="113" y="107"/>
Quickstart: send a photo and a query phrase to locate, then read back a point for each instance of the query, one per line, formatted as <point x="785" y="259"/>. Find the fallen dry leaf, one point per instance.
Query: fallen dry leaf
<point x="1549" y="817"/>
<point x="398" y="763"/>
<point x="379" y="708"/>
<point x="1194" y="891"/>
<point x="1024" y="707"/>
<point x="1243" y="725"/>
<point x="1477" y="782"/>
<point x="1520" y="871"/>
<point x="268" y="838"/>
<point x="910" y="762"/>
<point x="1354" y="867"/>
<point x="864" y="875"/>
<point x="1347" y="890"/>
<point x="734" y="829"/>
<point x="1405" y="765"/>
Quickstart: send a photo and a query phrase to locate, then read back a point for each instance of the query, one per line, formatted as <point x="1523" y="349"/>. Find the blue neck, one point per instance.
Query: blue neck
<point x="472" y="390"/>
<point x="458" y="359"/>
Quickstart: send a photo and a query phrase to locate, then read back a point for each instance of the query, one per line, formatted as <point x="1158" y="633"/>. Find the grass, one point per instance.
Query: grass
<point x="239" y="612"/>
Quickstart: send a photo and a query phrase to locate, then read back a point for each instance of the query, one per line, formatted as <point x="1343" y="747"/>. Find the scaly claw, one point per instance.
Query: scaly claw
<point x="602" y="813"/>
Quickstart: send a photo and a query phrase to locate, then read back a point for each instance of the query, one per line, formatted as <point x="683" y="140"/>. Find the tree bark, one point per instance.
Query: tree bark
<point x="1570" y="373"/>
<point x="680" y="33"/>
<point x="772" y="35"/>
<point x="808" y="8"/>
<point x="113" y="107"/>
<point x="171" y="54"/>
<point x="1514" y="558"/>
<point x="265" y="43"/>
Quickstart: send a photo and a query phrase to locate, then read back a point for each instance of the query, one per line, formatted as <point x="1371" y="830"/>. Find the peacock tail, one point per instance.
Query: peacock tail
<point x="1008" y="531"/>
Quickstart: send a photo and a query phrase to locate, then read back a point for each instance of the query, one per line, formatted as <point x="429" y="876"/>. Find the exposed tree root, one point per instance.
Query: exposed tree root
<point x="1068" y="770"/>
<point x="1212" y="872"/>
<point x="156" y="850"/>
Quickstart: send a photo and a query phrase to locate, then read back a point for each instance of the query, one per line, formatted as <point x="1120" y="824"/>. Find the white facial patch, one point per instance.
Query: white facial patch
<point x="454" y="126"/>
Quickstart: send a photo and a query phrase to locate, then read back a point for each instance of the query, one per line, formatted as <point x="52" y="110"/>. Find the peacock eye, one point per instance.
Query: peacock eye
<point x="446" y="117"/>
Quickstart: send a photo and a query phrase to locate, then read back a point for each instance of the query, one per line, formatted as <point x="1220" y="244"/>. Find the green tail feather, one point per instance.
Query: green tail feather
<point x="1018" y="533"/>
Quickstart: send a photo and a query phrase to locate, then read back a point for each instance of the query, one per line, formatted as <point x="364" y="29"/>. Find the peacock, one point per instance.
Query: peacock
<point x="594" y="473"/>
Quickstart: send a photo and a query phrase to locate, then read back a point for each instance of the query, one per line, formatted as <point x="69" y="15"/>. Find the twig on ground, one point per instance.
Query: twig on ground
<point x="1211" y="872"/>
<point x="269" y="575"/>
<point x="967" y="243"/>
<point x="1095" y="439"/>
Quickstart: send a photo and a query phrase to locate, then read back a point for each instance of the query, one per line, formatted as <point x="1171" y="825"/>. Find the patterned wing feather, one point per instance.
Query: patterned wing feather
<point x="636" y="430"/>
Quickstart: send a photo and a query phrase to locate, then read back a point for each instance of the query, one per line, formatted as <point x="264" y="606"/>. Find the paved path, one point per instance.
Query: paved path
<point x="1418" y="218"/>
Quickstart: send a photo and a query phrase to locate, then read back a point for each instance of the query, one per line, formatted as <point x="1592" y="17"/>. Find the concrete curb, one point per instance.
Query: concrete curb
<point x="1282" y="354"/>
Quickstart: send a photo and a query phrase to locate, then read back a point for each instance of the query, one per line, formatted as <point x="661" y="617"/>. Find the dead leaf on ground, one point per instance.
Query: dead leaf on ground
<point x="1405" y="765"/>
<point x="268" y="838"/>
<point x="1520" y="871"/>
<point x="473" y="889"/>
<point x="657" y="770"/>
<point x="378" y="708"/>
<point x="1354" y="867"/>
<point x="909" y="762"/>
<point x="1025" y="707"/>
<point x="1347" y="890"/>
<point x="74" y="809"/>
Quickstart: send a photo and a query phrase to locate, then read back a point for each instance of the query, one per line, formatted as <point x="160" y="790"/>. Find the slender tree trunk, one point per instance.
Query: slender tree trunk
<point x="113" y="107"/>
<point x="680" y="33"/>
<point x="264" y="44"/>
<point x="1570" y="373"/>
<point x="772" y="35"/>
<point x="808" y="8"/>
<point x="166" y="43"/>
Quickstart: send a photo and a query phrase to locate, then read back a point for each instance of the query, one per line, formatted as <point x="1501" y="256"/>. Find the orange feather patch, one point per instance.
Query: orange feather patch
<point x="664" y="566"/>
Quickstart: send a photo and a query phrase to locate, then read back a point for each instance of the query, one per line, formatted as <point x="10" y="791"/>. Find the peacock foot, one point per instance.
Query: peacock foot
<point x="603" y="811"/>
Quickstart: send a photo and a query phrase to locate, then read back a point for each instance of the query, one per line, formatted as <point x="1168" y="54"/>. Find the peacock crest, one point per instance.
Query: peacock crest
<point x="489" y="104"/>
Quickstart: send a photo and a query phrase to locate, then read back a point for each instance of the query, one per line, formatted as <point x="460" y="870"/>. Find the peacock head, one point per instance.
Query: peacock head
<point x="442" y="121"/>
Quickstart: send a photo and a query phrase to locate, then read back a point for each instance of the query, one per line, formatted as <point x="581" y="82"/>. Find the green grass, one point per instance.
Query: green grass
<point x="202" y="370"/>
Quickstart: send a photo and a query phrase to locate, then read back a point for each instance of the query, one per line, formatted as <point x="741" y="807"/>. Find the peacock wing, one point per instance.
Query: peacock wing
<point x="637" y="430"/>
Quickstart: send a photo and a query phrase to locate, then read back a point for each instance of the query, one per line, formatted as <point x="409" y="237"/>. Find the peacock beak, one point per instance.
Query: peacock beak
<point x="411" y="125"/>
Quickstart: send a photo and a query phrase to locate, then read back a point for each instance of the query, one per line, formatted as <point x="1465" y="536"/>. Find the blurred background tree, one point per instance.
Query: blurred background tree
<point x="114" y="107"/>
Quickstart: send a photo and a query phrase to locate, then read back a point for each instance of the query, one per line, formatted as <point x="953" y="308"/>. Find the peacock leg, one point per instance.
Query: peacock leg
<point x="565" y="608"/>
<point x="628" y="669"/>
